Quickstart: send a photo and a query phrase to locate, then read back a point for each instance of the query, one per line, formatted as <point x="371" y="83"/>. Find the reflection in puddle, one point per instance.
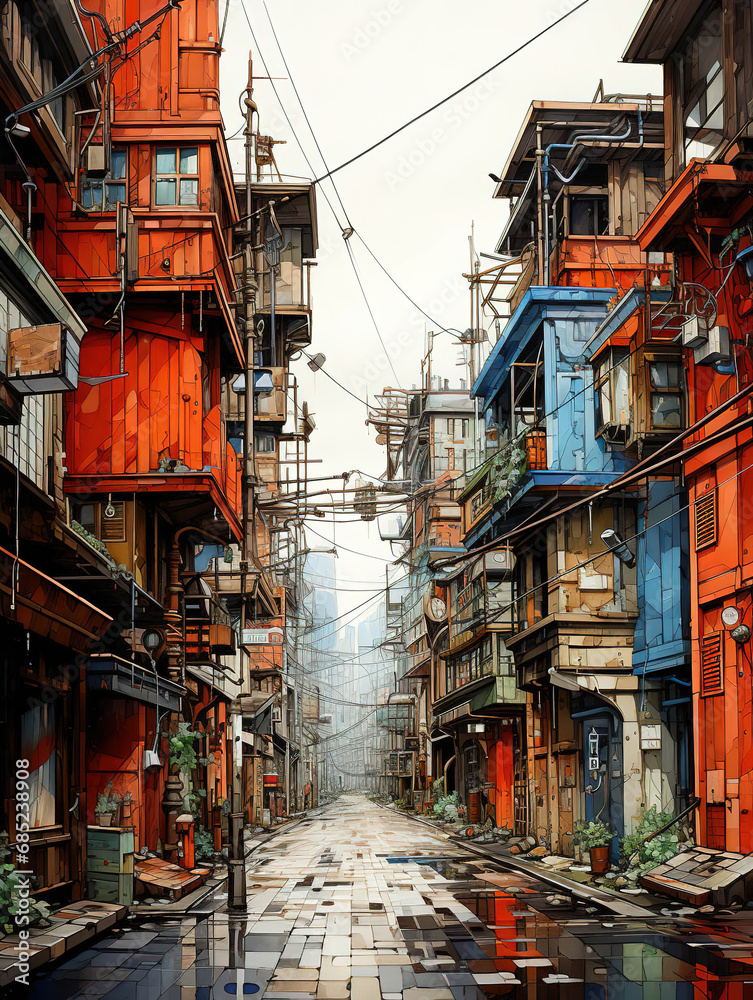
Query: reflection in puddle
<point x="518" y="950"/>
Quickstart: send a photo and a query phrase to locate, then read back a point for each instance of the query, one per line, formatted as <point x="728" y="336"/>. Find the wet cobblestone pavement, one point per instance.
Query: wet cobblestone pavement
<point x="363" y="903"/>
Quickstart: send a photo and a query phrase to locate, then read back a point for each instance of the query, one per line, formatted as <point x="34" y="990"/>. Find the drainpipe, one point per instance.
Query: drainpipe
<point x="445" y="771"/>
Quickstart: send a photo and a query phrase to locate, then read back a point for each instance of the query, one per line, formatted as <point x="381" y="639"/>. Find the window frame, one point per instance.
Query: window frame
<point x="103" y="183"/>
<point x="652" y="390"/>
<point x="607" y="367"/>
<point x="690" y="98"/>
<point x="176" y="177"/>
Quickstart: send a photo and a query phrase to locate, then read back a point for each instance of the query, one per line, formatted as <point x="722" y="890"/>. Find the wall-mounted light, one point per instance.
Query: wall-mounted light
<point x="18" y="130"/>
<point x="152" y="639"/>
<point x="620" y="548"/>
<point x="741" y="634"/>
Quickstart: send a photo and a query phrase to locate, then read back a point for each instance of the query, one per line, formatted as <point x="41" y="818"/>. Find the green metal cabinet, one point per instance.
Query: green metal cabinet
<point x="109" y="864"/>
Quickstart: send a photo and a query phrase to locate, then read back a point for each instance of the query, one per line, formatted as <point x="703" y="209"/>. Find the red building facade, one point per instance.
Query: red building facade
<point x="705" y="221"/>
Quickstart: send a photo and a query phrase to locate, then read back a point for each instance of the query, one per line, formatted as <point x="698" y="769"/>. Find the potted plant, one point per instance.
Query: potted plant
<point x="105" y="809"/>
<point x="596" y="838"/>
<point x="126" y="805"/>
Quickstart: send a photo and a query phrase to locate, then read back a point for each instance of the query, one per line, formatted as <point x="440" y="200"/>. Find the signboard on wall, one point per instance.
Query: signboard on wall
<point x="261" y="636"/>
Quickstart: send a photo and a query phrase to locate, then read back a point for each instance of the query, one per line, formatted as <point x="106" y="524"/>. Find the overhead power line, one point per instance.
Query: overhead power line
<point x="428" y="111"/>
<point x="346" y="232"/>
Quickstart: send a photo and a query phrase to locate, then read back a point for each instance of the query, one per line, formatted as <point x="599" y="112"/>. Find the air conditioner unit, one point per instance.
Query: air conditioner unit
<point x="695" y="332"/>
<point x="96" y="160"/>
<point x="716" y="350"/>
<point x="500" y="561"/>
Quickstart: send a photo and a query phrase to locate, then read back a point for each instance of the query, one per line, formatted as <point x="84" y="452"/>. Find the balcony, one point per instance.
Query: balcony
<point x="600" y="262"/>
<point x="207" y="629"/>
<point x="272" y="404"/>
<point x="396" y="718"/>
<point x="579" y="644"/>
<point x="493" y="694"/>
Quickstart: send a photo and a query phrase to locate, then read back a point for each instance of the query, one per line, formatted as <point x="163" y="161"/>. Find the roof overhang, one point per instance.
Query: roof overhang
<point x="630" y="303"/>
<point x="46" y="607"/>
<point x="694" y="197"/>
<point x="559" y="121"/>
<point x="539" y="303"/>
<point x="661" y="29"/>
<point x="294" y="204"/>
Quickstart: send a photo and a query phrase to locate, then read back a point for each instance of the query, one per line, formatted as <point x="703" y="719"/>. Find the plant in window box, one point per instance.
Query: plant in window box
<point x="596" y="838"/>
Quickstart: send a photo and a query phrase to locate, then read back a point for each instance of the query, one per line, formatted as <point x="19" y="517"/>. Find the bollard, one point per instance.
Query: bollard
<point x="236" y="886"/>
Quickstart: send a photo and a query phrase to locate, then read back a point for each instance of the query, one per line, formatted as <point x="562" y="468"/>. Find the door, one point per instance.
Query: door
<point x="604" y="780"/>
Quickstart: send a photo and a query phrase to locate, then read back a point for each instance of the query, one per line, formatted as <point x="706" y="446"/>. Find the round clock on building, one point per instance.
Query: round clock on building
<point x="435" y="608"/>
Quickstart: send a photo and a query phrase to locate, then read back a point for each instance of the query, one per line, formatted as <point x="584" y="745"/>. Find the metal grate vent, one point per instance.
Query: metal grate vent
<point x="711" y="664"/>
<point x="705" y="519"/>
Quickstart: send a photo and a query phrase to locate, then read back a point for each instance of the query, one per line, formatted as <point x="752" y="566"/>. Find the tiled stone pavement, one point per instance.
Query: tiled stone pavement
<point x="363" y="903"/>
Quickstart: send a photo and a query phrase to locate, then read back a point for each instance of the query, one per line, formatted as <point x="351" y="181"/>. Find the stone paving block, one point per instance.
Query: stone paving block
<point x="366" y="988"/>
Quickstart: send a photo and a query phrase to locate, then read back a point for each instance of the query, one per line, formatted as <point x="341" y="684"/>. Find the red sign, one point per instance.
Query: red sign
<point x="270" y="779"/>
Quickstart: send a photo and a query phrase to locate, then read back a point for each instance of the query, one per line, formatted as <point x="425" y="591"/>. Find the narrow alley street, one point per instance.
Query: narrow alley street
<point x="362" y="902"/>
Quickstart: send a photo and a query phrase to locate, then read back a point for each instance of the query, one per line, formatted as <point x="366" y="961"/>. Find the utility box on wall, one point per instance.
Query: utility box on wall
<point x="651" y="737"/>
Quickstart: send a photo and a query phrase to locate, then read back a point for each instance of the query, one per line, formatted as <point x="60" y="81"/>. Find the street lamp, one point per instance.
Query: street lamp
<point x="620" y="548"/>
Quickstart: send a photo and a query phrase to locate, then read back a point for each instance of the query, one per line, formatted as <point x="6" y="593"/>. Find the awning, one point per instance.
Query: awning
<point x="212" y="678"/>
<point x="47" y="608"/>
<point x="117" y="676"/>
<point x="256" y="702"/>
<point x="256" y="712"/>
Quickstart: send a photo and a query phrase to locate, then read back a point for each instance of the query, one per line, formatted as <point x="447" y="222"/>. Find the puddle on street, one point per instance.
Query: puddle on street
<point x="330" y="919"/>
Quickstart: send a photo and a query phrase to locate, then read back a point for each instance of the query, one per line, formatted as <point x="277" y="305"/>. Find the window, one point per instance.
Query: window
<point x="289" y="290"/>
<point x="613" y="392"/>
<point x="264" y="444"/>
<point x="176" y="176"/>
<point x="103" y="194"/>
<point x="588" y="215"/>
<point x="25" y="445"/>
<point x="666" y="384"/>
<point x="37" y="57"/>
<point x="703" y="89"/>
<point x="106" y="520"/>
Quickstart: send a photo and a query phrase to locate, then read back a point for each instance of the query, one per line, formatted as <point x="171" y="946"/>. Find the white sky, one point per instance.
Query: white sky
<point x="362" y="69"/>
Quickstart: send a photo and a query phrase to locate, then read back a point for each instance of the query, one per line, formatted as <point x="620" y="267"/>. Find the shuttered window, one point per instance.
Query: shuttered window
<point x="113" y="521"/>
<point x="711" y="664"/>
<point x="705" y="519"/>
